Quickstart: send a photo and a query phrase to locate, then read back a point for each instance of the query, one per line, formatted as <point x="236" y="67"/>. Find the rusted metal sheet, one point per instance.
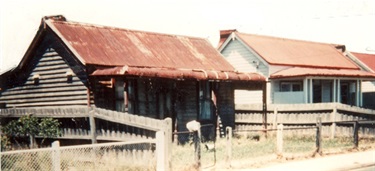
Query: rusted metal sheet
<point x="303" y="72"/>
<point x="139" y="53"/>
<point x="109" y="46"/>
<point x="198" y="74"/>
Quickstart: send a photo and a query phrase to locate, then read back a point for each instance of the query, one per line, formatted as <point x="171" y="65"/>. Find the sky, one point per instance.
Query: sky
<point x="348" y="22"/>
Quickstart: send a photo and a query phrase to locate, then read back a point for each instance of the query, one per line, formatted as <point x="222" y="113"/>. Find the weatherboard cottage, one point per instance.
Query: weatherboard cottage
<point x="71" y="64"/>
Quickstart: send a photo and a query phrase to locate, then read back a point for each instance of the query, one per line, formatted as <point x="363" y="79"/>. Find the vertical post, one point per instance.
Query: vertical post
<point x="168" y="143"/>
<point x="333" y="120"/>
<point x="229" y="145"/>
<point x="319" y="135"/>
<point x="355" y="134"/>
<point x="358" y="93"/>
<point x="1" y="133"/>
<point x="311" y="91"/>
<point x="56" y="156"/>
<point x="92" y="127"/>
<point x="279" y="140"/>
<point x="265" y="108"/>
<point x="275" y="112"/>
<point x="338" y="90"/>
<point x="197" y="147"/>
<point x="305" y="89"/>
<point x="334" y="91"/>
<point x="161" y="156"/>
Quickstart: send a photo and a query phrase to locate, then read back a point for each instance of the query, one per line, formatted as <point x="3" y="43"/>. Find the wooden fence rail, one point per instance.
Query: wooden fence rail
<point x="336" y="118"/>
<point x="94" y="132"/>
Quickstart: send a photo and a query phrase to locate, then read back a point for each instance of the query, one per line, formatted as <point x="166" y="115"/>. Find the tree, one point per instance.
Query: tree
<point x="32" y="126"/>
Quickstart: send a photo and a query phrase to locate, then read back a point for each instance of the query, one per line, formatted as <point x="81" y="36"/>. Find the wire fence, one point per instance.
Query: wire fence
<point x="249" y="148"/>
<point x="190" y="150"/>
<point x="139" y="155"/>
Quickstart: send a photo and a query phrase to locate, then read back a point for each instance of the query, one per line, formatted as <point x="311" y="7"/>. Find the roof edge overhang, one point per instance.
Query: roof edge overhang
<point x="322" y="72"/>
<point x="315" y="67"/>
<point x="178" y="73"/>
<point x="358" y="61"/>
<point x="372" y="78"/>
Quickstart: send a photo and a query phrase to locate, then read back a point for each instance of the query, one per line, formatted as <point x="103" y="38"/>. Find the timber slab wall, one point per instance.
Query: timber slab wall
<point x="337" y="118"/>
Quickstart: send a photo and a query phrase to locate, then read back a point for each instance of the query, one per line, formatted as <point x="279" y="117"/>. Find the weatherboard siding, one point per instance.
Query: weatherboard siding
<point x="54" y="88"/>
<point x="244" y="61"/>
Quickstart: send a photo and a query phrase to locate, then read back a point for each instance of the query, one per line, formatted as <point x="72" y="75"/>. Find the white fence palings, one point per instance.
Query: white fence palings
<point x="138" y="155"/>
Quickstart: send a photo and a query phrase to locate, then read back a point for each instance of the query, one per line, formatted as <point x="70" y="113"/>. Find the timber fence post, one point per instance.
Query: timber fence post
<point x="279" y="140"/>
<point x="319" y="135"/>
<point x="333" y="120"/>
<point x="92" y="126"/>
<point x="161" y="156"/>
<point x="355" y="134"/>
<point x="197" y="147"/>
<point x="229" y="145"/>
<point x="56" y="156"/>
<point x="274" y="125"/>
<point x="168" y="144"/>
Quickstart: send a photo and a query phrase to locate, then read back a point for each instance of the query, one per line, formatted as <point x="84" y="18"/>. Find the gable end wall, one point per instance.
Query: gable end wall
<point x="54" y="88"/>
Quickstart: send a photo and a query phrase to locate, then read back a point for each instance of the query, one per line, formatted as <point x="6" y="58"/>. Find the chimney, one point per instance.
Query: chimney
<point x="224" y="34"/>
<point x="55" y="18"/>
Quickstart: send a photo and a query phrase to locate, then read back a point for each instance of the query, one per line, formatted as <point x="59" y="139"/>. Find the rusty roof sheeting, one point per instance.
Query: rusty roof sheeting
<point x="178" y="73"/>
<point x="114" y="51"/>
<point x="298" y="53"/>
<point x="108" y="46"/>
<point x="323" y="72"/>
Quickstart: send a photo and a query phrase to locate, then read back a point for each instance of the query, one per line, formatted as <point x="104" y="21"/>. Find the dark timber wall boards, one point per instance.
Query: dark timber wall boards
<point x="48" y="81"/>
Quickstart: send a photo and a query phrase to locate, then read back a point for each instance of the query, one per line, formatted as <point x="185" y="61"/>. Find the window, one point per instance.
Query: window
<point x="286" y="86"/>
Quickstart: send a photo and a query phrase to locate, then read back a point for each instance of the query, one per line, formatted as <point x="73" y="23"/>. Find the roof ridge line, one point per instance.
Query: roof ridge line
<point x="124" y="29"/>
<point x="285" y="38"/>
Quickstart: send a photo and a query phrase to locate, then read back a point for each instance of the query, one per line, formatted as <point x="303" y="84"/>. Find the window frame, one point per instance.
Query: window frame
<point x="290" y="86"/>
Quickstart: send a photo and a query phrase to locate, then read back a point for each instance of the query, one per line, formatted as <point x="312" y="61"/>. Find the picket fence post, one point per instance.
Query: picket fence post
<point x="56" y="156"/>
<point x="279" y="140"/>
<point x="319" y="135"/>
<point x="355" y="134"/>
<point x="160" y="151"/>
<point x="229" y="145"/>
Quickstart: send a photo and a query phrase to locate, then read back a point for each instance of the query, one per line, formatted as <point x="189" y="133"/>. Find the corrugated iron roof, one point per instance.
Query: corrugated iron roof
<point x="281" y="51"/>
<point x="323" y="72"/>
<point x="107" y="46"/>
<point x="367" y="59"/>
<point x="144" y="53"/>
